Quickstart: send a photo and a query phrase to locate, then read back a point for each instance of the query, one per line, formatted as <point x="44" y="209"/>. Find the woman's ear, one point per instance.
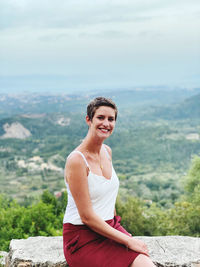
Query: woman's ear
<point x="88" y="121"/>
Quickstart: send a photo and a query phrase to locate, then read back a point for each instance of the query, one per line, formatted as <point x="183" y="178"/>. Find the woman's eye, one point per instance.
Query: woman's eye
<point x="102" y="118"/>
<point x="111" y="119"/>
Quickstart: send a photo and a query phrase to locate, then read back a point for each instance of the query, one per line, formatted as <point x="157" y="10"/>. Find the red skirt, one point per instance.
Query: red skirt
<point x="86" y="248"/>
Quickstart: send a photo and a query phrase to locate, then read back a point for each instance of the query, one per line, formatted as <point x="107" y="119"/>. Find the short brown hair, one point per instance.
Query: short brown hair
<point x="98" y="102"/>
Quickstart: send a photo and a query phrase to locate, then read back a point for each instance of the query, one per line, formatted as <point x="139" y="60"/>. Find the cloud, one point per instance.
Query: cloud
<point x="62" y="14"/>
<point x="79" y="13"/>
<point x="149" y="38"/>
<point x="110" y="34"/>
<point x="54" y="37"/>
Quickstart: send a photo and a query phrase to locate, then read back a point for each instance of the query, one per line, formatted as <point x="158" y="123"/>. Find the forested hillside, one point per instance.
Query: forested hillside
<point x="151" y="154"/>
<point x="188" y="109"/>
<point x="131" y="99"/>
<point x="155" y="139"/>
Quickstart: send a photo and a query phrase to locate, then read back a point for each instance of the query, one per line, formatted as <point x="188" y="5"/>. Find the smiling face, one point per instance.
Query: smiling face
<point x="103" y="122"/>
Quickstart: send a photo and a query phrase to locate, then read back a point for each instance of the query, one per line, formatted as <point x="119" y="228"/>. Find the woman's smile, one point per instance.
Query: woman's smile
<point x="104" y="130"/>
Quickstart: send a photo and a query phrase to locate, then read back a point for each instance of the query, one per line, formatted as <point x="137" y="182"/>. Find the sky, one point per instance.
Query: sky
<point x="66" y="45"/>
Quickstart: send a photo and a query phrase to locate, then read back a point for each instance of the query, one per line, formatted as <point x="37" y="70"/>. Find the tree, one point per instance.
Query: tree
<point x="193" y="178"/>
<point x="131" y="212"/>
<point x="42" y="218"/>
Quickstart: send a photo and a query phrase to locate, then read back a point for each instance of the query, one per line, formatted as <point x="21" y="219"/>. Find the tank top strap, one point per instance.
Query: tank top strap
<point x="108" y="155"/>
<point x="82" y="155"/>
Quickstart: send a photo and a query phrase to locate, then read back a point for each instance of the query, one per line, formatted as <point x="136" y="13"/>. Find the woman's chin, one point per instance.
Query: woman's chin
<point x="104" y="136"/>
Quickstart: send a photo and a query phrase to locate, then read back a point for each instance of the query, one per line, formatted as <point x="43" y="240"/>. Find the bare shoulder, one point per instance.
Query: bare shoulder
<point x="75" y="166"/>
<point x="74" y="160"/>
<point x="108" y="149"/>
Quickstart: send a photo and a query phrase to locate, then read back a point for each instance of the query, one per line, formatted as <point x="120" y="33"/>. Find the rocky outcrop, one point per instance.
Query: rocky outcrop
<point x="176" y="251"/>
<point x="36" y="251"/>
<point x="165" y="251"/>
<point x="15" y="130"/>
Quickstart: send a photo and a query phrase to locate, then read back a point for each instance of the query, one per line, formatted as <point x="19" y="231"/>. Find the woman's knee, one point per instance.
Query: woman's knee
<point x="142" y="261"/>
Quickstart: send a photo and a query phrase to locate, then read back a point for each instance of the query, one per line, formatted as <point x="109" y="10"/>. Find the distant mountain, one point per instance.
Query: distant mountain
<point x="138" y="97"/>
<point x="189" y="108"/>
<point x="125" y="99"/>
<point x="38" y="104"/>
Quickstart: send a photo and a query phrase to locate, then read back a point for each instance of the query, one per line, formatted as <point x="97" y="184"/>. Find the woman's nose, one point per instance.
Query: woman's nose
<point x="106" y="122"/>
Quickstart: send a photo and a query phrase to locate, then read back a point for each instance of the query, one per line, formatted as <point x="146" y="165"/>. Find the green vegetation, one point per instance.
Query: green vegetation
<point x="138" y="217"/>
<point x="148" y="155"/>
<point x="181" y="219"/>
<point x="42" y="218"/>
<point x="152" y="147"/>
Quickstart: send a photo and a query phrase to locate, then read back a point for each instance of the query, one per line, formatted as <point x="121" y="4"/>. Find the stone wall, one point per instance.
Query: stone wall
<point x="165" y="251"/>
<point x="3" y="256"/>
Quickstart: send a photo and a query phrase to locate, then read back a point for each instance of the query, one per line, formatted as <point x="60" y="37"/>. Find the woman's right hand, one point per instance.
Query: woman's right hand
<point x="137" y="245"/>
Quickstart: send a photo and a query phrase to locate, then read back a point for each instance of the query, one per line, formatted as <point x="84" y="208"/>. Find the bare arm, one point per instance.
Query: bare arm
<point x="76" y="173"/>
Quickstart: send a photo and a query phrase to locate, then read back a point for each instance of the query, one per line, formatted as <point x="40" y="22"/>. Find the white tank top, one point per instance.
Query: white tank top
<point x="103" y="194"/>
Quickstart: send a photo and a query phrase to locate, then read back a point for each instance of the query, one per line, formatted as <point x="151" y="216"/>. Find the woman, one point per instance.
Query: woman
<point x="92" y="234"/>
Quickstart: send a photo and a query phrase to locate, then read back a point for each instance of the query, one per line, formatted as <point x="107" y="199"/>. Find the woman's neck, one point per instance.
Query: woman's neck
<point x="92" y="145"/>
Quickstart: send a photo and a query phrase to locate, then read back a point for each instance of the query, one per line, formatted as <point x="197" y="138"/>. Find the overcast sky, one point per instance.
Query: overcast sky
<point x="80" y="44"/>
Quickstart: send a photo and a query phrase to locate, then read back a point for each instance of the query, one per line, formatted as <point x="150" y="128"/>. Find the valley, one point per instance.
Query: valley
<point x="152" y="145"/>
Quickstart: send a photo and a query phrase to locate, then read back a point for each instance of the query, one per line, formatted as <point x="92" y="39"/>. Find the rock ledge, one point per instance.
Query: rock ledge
<point x="165" y="251"/>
